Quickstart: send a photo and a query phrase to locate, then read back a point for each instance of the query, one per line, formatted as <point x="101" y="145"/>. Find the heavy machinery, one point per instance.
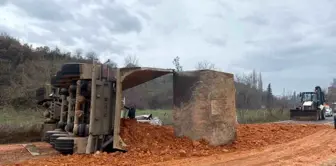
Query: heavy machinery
<point x="311" y="106"/>
<point x="84" y="108"/>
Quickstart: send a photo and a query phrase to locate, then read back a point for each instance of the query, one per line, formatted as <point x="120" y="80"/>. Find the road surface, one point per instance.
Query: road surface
<point x="328" y="121"/>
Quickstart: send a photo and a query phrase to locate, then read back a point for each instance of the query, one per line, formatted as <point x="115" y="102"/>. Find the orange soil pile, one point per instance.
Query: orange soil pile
<point x="150" y="144"/>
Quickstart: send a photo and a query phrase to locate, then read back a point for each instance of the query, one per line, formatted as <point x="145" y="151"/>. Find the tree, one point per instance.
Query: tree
<point x="254" y="79"/>
<point x="334" y="82"/>
<point x="205" y="65"/>
<point x="269" y="97"/>
<point x="24" y="69"/>
<point x="91" y="56"/>
<point x="131" y="61"/>
<point x="177" y="64"/>
<point x="79" y="53"/>
<point x="260" y="82"/>
<point x="111" y="63"/>
<point x="294" y="96"/>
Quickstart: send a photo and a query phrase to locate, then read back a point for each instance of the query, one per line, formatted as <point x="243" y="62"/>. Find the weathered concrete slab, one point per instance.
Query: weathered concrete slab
<point x="204" y="106"/>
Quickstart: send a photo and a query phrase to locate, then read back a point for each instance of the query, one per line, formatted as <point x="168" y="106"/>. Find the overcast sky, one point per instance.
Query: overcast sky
<point x="292" y="42"/>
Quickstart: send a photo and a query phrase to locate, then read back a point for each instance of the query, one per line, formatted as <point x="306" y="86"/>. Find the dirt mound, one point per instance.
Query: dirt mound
<point x="149" y="144"/>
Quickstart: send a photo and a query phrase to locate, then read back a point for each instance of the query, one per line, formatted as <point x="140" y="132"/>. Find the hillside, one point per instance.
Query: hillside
<point x="24" y="69"/>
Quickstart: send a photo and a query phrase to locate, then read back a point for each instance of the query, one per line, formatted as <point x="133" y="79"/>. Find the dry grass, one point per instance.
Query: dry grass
<point x="19" y="125"/>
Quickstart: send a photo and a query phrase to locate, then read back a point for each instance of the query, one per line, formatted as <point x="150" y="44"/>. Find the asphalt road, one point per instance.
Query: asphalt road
<point x="328" y="120"/>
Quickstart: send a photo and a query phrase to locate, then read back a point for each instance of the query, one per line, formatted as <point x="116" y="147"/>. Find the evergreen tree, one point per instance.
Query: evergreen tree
<point x="269" y="97"/>
<point x="294" y="96"/>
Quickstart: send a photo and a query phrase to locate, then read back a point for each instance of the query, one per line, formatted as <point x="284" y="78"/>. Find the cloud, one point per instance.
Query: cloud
<point x="290" y="42"/>
<point x="50" y="11"/>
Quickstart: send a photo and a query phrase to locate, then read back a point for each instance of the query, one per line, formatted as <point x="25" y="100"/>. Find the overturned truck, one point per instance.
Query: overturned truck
<point x="84" y="108"/>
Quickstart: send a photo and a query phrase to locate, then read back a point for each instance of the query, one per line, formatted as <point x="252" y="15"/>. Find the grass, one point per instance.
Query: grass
<point x="19" y="125"/>
<point x="25" y="125"/>
<point x="164" y="115"/>
<point x="244" y="116"/>
<point x="11" y="116"/>
<point x="261" y="116"/>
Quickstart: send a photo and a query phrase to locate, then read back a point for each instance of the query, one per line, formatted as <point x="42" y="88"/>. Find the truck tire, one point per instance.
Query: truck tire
<point x="48" y="134"/>
<point x="64" y="145"/>
<point x="54" y="137"/>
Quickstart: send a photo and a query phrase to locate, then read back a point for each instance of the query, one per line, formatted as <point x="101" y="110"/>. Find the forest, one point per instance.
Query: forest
<point x="25" y="68"/>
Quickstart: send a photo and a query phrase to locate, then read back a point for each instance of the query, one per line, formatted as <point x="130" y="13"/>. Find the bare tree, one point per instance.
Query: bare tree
<point x="177" y="64"/>
<point x="79" y="53"/>
<point x="131" y="61"/>
<point x="254" y="79"/>
<point x="203" y="65"/>
<point x="269" y="98"/>
<point x="91" y="55"/>
<point x="111" y="63"/>
<point x="260" y="83"/>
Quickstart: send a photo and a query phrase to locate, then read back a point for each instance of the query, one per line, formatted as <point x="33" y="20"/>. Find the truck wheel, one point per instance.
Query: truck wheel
<point x="54" y="137"/>
<point x="48" y="134"/>
<point x="65" y="145"/>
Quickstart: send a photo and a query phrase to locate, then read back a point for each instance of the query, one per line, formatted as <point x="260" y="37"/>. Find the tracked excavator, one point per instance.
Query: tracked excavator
<point x="311" y="106"/>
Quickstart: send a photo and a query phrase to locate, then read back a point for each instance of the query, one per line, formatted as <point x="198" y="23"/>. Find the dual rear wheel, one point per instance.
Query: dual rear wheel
<point x="61" y="141"/>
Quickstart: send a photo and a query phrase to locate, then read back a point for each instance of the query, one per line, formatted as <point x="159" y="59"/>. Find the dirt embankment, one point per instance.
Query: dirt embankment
<point x="152" y="144"/>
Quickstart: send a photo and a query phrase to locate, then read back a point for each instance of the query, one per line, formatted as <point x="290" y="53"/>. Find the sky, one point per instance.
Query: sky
<point x="290" y="42"/>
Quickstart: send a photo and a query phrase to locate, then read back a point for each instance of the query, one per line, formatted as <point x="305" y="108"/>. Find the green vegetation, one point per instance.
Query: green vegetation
<point x="164" y="115"/>
<point x="261" y="116"/>
<point x="244" y="116"/>
<point x="11" y="116"/>
<point x="20" y="125"/>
